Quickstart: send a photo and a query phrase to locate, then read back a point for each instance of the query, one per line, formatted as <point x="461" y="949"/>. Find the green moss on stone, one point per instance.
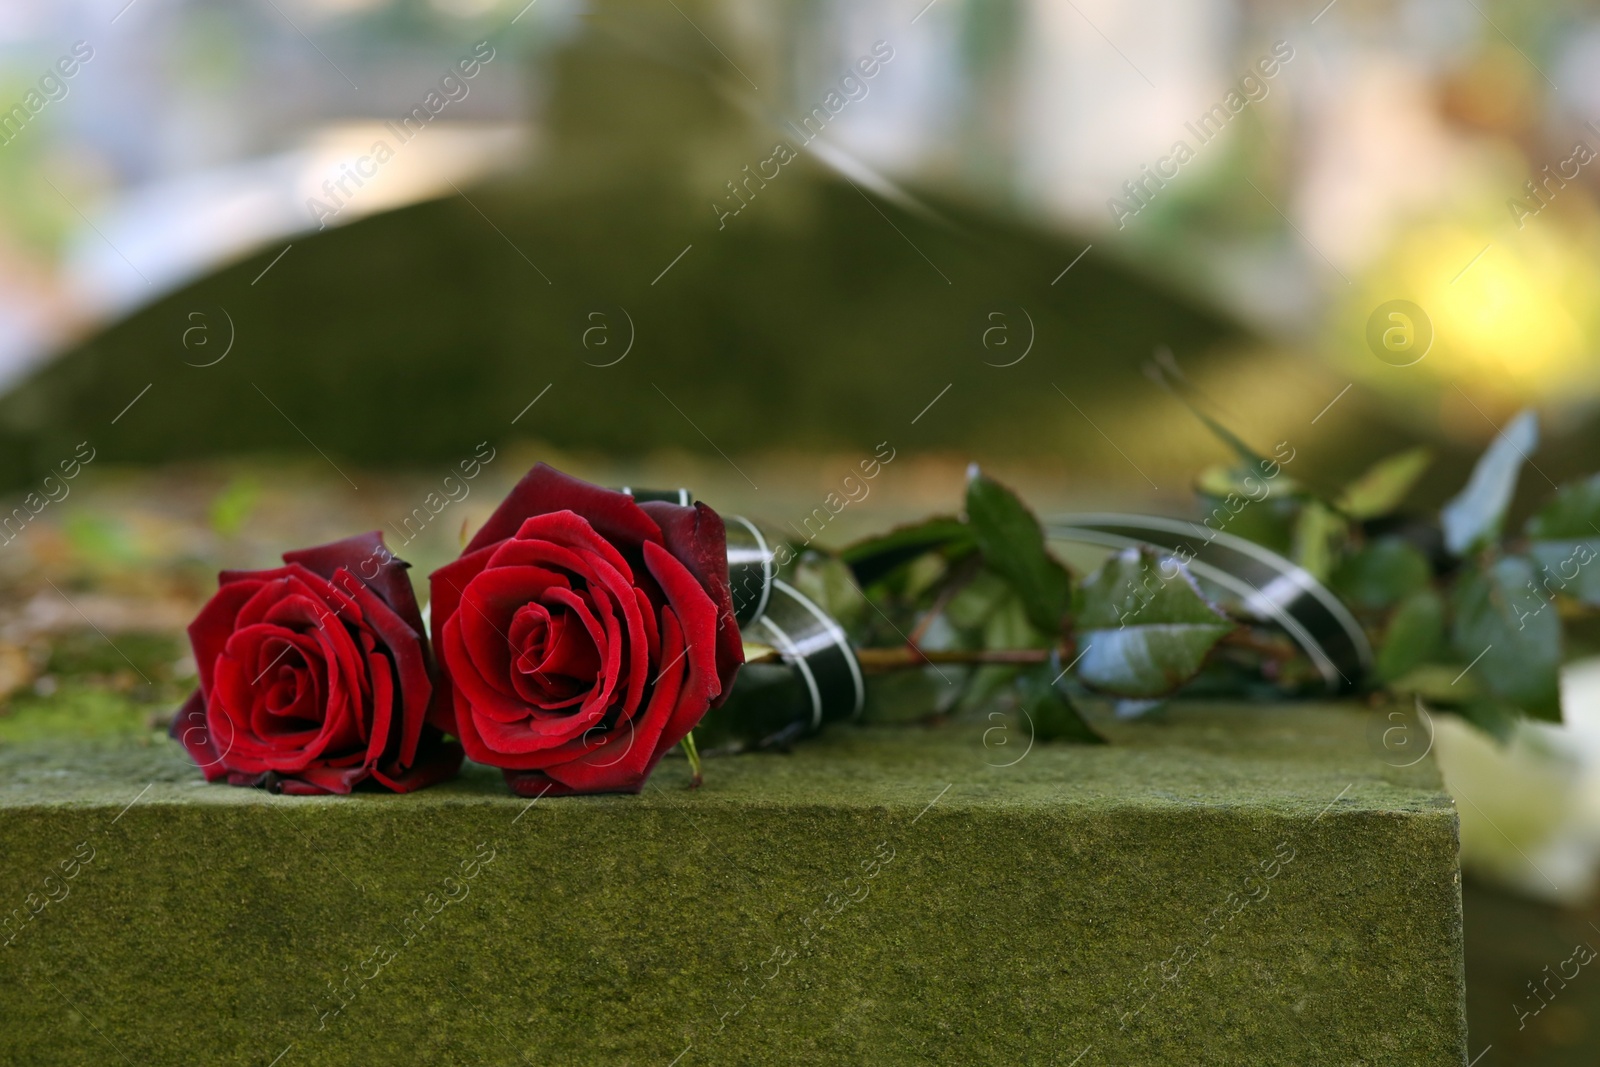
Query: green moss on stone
<point x="80" y="712"/>
<point x="1021" y="906"/>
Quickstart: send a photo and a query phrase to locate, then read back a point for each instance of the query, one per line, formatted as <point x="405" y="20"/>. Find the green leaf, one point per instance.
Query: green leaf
<point x="1385" y="484"/>
<point x="1004" y="625"/>
<point x="1145" y="628"/>
<point x="1473" y="518"/>
<point x="971" y="608"/>
<point x="874" y="557"/>
<point x="1012" y="544"/>
<point x="920" y="580"/>
<point x="1565" y="536"/>
<point x="1379" y="575"/>
<point x="1053" y="714"/>
<point x="1509" y="636"/>
<point x="828" y="583"/>
<point x="1008" y="626"/>
<point x="1438" y="683"/>
<point x="1219" y="481"/>
<point x="1164" y="371"/>
<point x="1573" y="512"/>
<point x="101" y="540"/>
<point x="1415" y="635"/>
<point x="1268" y="522"/>
<point x="233" y="505"/>
<point x="1317" y="532"/>
<point x="1492" y="717"/>
<point x="1569" y="567"/>
<point x="902" y="697"/>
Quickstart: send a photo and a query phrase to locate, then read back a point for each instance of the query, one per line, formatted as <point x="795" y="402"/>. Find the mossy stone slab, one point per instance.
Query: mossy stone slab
<point x="1230" y="885"/>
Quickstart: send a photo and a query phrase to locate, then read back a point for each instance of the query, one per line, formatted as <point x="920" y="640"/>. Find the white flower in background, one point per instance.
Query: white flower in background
<point x="1530" y="809"/>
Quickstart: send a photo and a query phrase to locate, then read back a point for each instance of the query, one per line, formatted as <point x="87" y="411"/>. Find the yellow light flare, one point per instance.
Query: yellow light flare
<point x="1513" y="312"/>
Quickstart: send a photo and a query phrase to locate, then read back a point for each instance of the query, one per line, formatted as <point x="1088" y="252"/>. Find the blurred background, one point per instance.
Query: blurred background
<point x="269" y="269"/>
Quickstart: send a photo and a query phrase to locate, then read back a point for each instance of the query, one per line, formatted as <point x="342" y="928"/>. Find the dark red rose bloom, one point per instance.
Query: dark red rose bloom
<point x="581" y="635"/>
<point x="314" y="676"/>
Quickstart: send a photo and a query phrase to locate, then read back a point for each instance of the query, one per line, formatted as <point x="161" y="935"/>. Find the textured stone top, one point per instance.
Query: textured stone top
<point x="1220" y="885"/>
<point x="1286" y="761"/>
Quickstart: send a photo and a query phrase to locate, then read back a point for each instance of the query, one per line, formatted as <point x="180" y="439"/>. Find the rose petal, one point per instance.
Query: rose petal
<point x="487" y="607"/>
<point x="563" y="529"/>
<point x="190" y="730"/>
<point x="234" y="703"/>
<point x="649" y="583"/>
<point x="357" y="556"/>
<point x="335" y="651"/>
<point x="210" y="630"/>
<point x="437" y="761"/>
<point x="313" y="672"/>
<point x="601" y="770"/>
<point x="501" y="727"/>
<point x="601" y="623"/>
<point x="293" y="596"/>
<point x="464" y="673"/>
<point x="467" y="729"/>
<point x="697" y="538"/>
<point x="406" y="649"/>
<point x="380" y="737"/>
<point x="445" y="587"/>
<point x="565" y="540"/>
<point x="555" y="658"/>
<point x="311" y="781"/>
<point x="695" y="613"/>
<point x="545" y="489"/>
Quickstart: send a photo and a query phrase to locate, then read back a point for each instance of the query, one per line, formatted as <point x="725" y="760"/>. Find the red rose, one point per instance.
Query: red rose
<point x="314" y="676"/>
<point x="581" y="635"/>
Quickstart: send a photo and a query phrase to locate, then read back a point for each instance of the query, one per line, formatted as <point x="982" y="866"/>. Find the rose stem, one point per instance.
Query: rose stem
<point x="904" y="657"/>
<point x="879" y="660"/>
<point x="1272" y="649"/>
<point x="693" y="753"/>
<point x="962" y="578"/>
<point x="875" y="660"/>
